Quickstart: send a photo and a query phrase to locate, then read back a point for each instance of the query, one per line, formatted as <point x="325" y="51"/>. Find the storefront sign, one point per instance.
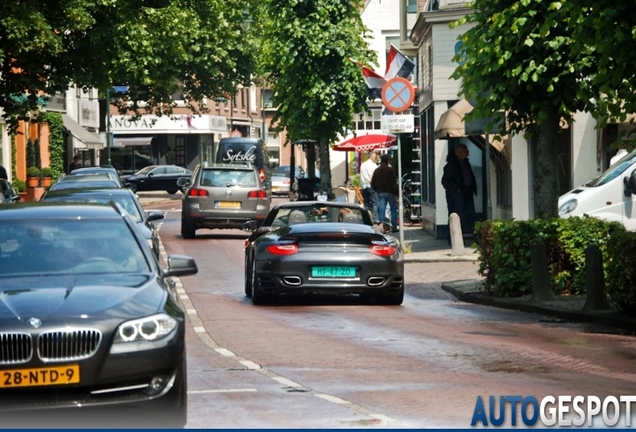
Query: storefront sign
<point x="177" y="124"/>
<point x="88" y="113"/>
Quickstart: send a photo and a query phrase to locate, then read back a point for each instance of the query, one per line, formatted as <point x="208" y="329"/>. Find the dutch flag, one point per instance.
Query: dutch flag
<point x="398" y="65"/>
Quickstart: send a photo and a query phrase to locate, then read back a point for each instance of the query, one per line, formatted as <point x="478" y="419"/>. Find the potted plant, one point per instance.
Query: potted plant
<point x="19" y="185"/>
<point x="33" y="176"/>
<point x="47" y="176"/>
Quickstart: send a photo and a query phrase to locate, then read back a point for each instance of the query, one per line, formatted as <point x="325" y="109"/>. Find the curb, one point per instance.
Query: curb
<point x="462" y="290"/>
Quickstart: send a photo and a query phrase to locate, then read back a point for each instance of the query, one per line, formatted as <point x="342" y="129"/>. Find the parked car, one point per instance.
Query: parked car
<point x="109" y="171"/>
<point x="83" y="181"/>
<point x="7" y="192"/>
<point x="88" y="321"/>
<point x="281" y="178"/>
<point x="322" y="247"/>
<point x="123" y="196"/>
<point x="157" y="178"/>
<point x="222" y="196"/>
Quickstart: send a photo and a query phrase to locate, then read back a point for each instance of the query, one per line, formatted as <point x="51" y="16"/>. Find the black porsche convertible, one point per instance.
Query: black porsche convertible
<point x="322" y="247"/>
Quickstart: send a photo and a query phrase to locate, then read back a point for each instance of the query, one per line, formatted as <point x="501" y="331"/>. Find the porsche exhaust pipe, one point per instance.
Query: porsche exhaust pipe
<point x="376" y="281"/>
<point x="292" y="280"/>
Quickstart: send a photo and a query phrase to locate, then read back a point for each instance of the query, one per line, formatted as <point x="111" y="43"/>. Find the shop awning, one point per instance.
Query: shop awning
<point x="451" y="123"/>
<point x="131" y="141"/>
<point x="82" y="138"/>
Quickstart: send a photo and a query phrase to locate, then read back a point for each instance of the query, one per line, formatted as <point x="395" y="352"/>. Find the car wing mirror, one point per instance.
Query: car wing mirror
<point x="250" y="226"/>
<point x="183" y="181"/>
<point x="180" y="265"/>
<point x="154" y="215"/>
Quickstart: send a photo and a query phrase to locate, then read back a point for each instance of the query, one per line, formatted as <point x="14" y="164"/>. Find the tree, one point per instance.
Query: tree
<point x="306" y="58"/>
<point x="155" y="47"/>
<point x="604" y="42"/>
<point x="516" y="59"/>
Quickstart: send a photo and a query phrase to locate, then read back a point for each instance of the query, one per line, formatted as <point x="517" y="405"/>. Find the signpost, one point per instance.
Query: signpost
<point x="109" y="136"/>
<point x="398" y="95"/>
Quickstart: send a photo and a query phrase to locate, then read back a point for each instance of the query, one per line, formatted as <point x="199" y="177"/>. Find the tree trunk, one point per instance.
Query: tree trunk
<point x="311" y="160"/>
<point x="546" y="174"/>
<point x="325" y="165"/>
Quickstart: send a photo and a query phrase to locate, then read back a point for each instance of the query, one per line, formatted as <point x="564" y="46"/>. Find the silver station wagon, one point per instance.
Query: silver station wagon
<point x="222" y="196"/>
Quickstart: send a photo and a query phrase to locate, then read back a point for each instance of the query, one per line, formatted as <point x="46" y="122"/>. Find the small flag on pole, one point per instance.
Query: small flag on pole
<point x="398" y="65"/>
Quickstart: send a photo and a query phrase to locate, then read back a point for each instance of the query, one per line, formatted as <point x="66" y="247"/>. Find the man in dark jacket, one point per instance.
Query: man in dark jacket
<point x="384" y="182"/>
<point x="460" y="185"/>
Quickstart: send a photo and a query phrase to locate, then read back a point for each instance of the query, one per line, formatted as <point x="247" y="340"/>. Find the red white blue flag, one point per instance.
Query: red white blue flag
<point x="398" y="65"/>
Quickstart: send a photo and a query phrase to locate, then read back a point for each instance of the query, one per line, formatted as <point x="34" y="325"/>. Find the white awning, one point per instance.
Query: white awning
<point x="82" y="138"/>
<point x="137" y="141"/>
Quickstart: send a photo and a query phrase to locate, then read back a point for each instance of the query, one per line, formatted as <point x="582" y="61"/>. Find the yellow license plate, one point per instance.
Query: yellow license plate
<point x="57" y="375"/>
<point x="275" y="188"/>
<point x="228" y="204"/>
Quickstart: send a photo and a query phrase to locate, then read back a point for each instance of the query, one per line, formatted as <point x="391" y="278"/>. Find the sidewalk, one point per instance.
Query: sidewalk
<point x="425" y="248"/>
<point x="422" y="249"/>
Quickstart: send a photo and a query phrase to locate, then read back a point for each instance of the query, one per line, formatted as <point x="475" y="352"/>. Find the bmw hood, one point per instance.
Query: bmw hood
<point x="72" y="297"/>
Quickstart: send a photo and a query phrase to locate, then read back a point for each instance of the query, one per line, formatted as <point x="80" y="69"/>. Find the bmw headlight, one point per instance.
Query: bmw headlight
<point x="149" y="328"/>
<point x="567" y="207"/>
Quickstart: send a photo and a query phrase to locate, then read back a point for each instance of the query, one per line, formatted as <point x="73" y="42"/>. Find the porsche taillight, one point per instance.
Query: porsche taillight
<point x="282" y="249"/>
<point x="202" y="193"/>
<point x="381" y="249"/>
<point x="257" y="194"/>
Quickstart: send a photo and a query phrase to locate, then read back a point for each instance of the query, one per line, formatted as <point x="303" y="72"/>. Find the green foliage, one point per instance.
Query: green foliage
<point x="19" y="185"/>
<point x="621" y="271"/>
<point x="306" y="59"/>
<point x="354" y="180"/>
<point x="33" y="171"/>
<point x="47" y="172"/>
<point x="56" y="142"/>
<point x="155" y="47"/>
<point x="517" y="64"/>
<point x="31" y="158"/>
<point x="505" y="252"/>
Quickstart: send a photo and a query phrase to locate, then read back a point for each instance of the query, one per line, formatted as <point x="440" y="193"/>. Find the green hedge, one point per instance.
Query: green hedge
<point x="504" y="252"/>
<point x="56" y="142"/>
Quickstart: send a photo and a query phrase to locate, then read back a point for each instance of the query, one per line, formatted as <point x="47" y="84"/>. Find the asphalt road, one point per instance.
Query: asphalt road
<point x="334" y="362"/>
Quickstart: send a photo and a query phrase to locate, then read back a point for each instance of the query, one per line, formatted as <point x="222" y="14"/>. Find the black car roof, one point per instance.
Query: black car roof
<point x="55" y="210"/>
<point x="228" y="166"/>
<point x="294" y="204"/>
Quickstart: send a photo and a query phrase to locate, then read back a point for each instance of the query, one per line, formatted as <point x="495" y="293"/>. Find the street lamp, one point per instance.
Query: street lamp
<point x="247" y="20"/>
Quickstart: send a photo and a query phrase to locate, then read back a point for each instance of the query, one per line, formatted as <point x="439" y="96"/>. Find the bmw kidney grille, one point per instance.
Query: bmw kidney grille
<point x="52" y="346"/>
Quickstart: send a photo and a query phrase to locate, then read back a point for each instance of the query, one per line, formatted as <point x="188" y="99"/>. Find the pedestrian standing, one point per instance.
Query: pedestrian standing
<point x="369" y="196"/>
<point x="74" y="165"/>
<point x="385" y="183"/>
<point x="461" y="187"/>
<point x="622" y="151"/>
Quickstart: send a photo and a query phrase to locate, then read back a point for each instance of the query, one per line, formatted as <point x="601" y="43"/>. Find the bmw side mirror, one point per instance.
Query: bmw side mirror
<point x="250" y="226"/>
<point x="154" y="215"/>
<point x="179" y="265"/>
<point x="183" y="181"/>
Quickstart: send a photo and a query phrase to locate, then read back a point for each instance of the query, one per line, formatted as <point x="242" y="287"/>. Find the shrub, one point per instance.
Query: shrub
<point x="19" y="185"/>
<point x="619" y="262"/>
<point x="47" y="172"/>
<point x="33" y="171"/>
<point x="354" y="181"/>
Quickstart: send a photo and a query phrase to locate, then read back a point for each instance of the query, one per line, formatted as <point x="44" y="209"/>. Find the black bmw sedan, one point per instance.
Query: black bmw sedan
<point x="89" y="321"/>
<point x="157" y="178"/>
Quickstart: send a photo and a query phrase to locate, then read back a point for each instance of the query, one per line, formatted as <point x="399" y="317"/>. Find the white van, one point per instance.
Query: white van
<point x="612" y="196"/>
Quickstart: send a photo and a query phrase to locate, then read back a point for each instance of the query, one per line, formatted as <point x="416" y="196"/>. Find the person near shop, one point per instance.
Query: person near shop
<point x="369" y="196"/>
<point x="74" y="165"/>
<point x="461" y="187"/>
<point x="385" y="184"/>
<point x="622" y="151"/>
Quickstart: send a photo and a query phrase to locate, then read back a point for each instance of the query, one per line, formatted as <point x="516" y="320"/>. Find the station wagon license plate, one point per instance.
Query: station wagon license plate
<point x="228" y="204"/>
<point x="57" y="375"/>
<point x="333" y="272"/>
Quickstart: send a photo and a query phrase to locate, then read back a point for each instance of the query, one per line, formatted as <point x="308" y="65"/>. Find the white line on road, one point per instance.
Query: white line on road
<point x="222" y="391"/>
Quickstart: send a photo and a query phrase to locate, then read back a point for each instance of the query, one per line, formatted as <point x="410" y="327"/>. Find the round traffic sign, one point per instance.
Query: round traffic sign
<point x="398" y="94"/>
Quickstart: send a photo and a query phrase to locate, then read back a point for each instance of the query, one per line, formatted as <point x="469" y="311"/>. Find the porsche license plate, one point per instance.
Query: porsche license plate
<point x="228" y="204"/>
<point x="333" y="272"/>
<point x="55" y="375"/>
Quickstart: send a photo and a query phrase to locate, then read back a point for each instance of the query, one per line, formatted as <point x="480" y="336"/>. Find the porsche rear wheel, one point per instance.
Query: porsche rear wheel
<point x="258" y="296"/>
<point x="394" y="298"/>
<point x="248" y="278"/>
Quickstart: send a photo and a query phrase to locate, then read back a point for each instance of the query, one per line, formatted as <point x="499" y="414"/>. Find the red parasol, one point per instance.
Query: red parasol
<point x="366" y="142"/>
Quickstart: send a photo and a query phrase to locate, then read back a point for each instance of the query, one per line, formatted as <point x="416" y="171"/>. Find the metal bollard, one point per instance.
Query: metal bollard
<point x="595" y="298"/>
<point x="541" y="286"/>
<point x="457" y="238"/>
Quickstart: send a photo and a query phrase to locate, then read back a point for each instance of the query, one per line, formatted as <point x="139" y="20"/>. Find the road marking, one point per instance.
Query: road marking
<point x="222" y="391"/>
<point x="207" y="340"/>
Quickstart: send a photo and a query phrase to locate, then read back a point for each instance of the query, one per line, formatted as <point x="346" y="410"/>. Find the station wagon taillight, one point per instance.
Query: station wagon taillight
<point x="257" y="194"/>
<point x="261" y="174"/>
<point x="282" y="249"/>
<point x="381" y="249"/>
<point x="194" y="192"/>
